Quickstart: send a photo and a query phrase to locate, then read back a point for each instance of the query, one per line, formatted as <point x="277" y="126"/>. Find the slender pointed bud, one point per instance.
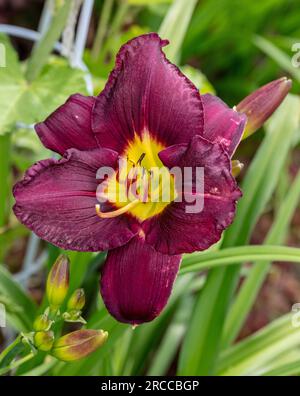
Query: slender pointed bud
<point x="43" y="340"/>
<point x="58" y="282"/>
<point x="42" y="323"/>
<point x="76" y="301"/>
<point x="78" y="344"/>
<point x="262" y="103"/>
<point x="236" y="167"/>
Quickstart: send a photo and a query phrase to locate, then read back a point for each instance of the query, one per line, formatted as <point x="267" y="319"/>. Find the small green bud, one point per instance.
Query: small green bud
<point x="43" y="340"/>
<point x="58" y="282"/>
<point x="76" y="301"/>
<point x="236" y="167"/>
<point x="78" y="344"/>
<point x="42" y="323"/>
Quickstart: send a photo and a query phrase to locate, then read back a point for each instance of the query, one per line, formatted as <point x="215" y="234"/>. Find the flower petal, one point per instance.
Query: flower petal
<point x="221" y="123"/>
<point x="176" y="231"/>
<point x="69" y="126"/>
<point x="137" y="281"/>
<point x="145" y="92"/>
<point x="56" y="199"/>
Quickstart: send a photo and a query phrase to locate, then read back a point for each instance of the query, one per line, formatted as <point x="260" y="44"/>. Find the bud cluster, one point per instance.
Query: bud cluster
<point x="74" y="345"/>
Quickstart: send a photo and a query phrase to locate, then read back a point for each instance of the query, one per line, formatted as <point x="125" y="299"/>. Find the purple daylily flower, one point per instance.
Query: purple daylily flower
<point x="147" y="106"/>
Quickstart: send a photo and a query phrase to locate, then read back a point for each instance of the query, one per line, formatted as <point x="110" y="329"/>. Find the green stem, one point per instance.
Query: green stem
<point x="16" y="363"/>
<point x="41" y="52"/>
<point x="102" y="27"/>
<point x="119" y="17"/>
<point x="115" y="27"/>
<point x="9" y="348"/>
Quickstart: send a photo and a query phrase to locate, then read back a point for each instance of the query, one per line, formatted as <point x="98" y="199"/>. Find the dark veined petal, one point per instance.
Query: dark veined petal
<point x="56" y="199"/>
<point x="221" y="123"/>
<point x="69" y="126"/>
<point x="175" y="231"/>
<point x="137" y="281"/>
<point x="145" y="92"/>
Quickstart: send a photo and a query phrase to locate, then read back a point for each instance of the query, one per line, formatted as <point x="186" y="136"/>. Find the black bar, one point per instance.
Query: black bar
<point x="88" y="386"/>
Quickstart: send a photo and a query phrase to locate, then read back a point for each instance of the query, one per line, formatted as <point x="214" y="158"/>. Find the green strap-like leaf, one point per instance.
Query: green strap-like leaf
<point x="280" y="57"/>
<point x="23" y="312"/>
<point x="250" y="356"/>
<point x="174" y="26"/>
<point x="251" y="286"/>
<point x="168" y="347"/>
<point x="236" y="255"/>
<point x="285" y="370"/>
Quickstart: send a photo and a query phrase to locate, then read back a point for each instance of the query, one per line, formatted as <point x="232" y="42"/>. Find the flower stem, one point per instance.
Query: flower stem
<point x="42" y="50"/>
<point x="115" y="26"/>
<point x="119" y="18"/>
<point x="16" y="363"/>
<point x="102" y="27"/>
<point x="10" y="348"/>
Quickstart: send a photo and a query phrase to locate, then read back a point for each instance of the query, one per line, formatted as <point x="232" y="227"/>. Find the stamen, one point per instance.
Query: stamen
<point x="130" y="160"/>
<point x="118" y="212"/>
<point x="141" y="159"/>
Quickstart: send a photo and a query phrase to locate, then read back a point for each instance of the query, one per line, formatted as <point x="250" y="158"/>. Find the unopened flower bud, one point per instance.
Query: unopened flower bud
<point x="76" y="301"/>
<point x="58" y="282"/>
<point x="43" y="340"/>
<point x="42" y="323"/>
<point x="236" y="167"/>
<point x="262" y="103"/>
<point x="78" y="344"/>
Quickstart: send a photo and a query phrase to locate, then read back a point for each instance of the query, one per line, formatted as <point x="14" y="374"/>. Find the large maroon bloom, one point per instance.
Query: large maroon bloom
<point x="148" y="107"/>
